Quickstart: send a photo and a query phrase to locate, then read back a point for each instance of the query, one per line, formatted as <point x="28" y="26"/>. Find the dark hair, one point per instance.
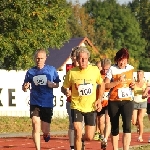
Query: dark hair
<point x="121" y="54"/>
<point x="73" y="52"/>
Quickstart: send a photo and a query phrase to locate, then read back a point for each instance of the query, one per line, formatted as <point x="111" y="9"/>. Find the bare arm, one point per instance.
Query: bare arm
<point x="52" y="84"/>
<point x="145" y="92"/>
<point x="109" y="85"/>
<point x="101" y="90"/>
<point x="63" y="90"/>
<point x="66" y="91"/>
<point x="26" y="86"/>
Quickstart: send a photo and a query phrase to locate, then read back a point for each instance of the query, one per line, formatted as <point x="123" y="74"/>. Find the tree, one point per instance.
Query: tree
<point x="80" y="23"/>
<point x="115" y="27"/>
<point x="141" y="10"/>
<point x="27" y="25"/>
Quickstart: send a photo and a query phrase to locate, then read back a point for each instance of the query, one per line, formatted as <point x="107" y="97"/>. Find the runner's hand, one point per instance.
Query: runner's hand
<point x="98" y="105"/>
<point x="68" y="93"/>
<point x="121" y="78"/>
<point x="50" y="84"/>
<point x="132" y="84"/>
<point x="26" y="86"/>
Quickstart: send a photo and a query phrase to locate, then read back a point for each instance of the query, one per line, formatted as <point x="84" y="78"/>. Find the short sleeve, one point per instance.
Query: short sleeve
<point x="56" y="77"/>
<point x="109" y="74"/>
<point x="67" y="81"/>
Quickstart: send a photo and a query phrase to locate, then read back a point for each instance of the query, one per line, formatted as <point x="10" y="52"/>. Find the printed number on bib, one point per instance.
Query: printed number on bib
<point x="40" y="80"/>
<point x="105" y="96"/>
<point x="124" y="93"/>
<point x="85" y="89"/>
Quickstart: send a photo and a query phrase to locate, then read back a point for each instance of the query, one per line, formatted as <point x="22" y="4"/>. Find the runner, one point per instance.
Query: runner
<point x="146" y="94"/>
<point x="71" y="128"/>
<point x="140" y="103"/>
<point x="43" y="78"/>
<point x="99" y="65"/>
<point x="97" y="131"/>
<point x="119" y="79"/>
<point x="83" y="81"/>
<point x="104" y="120"/>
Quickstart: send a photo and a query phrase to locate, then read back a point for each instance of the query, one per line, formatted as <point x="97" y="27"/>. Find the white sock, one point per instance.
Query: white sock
<point x="105" y="140"/>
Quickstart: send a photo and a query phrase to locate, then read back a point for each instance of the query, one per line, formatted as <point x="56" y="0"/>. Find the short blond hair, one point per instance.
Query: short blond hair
<point x="105" y="62"/>
<point x="40" y="51"/>
<point x="140" y="71"/>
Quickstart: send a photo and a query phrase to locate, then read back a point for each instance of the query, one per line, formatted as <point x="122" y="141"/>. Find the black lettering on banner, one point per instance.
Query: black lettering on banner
<point x="54" y="100"/>
<point x="0" y="100"/>
<point x="62" y="102"/>
<point x="86" y="91"/>
<point x="10" y="98"/>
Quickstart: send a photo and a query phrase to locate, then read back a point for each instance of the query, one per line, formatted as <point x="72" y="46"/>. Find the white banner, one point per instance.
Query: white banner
<point x="15" y="102"/>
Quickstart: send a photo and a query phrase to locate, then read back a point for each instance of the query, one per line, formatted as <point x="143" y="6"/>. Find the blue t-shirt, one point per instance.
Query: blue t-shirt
<point x="40" y="93"/>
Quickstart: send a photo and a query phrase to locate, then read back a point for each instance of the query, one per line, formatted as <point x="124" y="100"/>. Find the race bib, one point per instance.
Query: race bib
<point x="105" y="96"/>
<point x="85" y="89"/>
<point x="124" y="93"/>
<point x="40" y="80"/>
<point x="138" y="98"/>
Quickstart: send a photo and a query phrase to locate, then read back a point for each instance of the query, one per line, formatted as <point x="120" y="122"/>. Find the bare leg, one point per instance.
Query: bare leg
<point x="140" y="121"/>
<point x="126" y="139"/>
<point x="114" y="140"/>
<point x="36" y="125"/>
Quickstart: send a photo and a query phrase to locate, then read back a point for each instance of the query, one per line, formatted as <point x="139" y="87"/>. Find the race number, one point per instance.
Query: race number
<point x="124" y="93"/>
<point x="105" y="96"/>
<point x="85" y="89"/>
<point x="40" y="80"/>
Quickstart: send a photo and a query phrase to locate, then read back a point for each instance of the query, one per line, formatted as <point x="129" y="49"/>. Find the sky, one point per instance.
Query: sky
<point x="120" y="1"/>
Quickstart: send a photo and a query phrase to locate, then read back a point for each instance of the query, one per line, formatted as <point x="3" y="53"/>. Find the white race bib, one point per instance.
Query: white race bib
<point x="124" y="93"/>
<point x="138" y="98"/>
<point x="85" y="89"/>
<point x="40" y="80"/>
<point x="105" y="96"/>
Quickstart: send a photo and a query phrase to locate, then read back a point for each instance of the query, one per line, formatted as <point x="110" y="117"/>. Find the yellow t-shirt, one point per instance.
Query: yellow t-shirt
<point x="83" y="84"/>
<point x="138" y="92"/>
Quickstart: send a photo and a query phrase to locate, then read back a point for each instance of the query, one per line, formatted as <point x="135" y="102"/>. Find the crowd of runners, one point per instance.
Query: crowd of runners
<point x="96" y="97"/>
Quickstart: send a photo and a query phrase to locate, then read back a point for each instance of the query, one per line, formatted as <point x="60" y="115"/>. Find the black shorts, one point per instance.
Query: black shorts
<point x="45" y="113"/>
<point x="89" y="117"/>
<point x="148" y="108"/>
<point x="102" y="112"/>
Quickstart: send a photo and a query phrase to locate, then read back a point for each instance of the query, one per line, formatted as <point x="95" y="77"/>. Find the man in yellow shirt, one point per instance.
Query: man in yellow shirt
<point x="83" y="80"/>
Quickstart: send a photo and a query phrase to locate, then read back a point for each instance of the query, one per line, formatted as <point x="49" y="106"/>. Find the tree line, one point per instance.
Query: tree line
<point x="29" y="25"/>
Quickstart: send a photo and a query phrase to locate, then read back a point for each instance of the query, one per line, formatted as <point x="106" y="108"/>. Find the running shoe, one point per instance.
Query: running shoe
<point x="101" y="137"/>
<point x="96" y="136"/>
<point x="103" y="145"/>
<point x="140" y="139"/>
<point x="46" y="137"/>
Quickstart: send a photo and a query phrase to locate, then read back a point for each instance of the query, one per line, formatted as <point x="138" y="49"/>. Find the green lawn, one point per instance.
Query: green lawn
<point x="141" y="148"/>
<point x="23" y="124"/>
